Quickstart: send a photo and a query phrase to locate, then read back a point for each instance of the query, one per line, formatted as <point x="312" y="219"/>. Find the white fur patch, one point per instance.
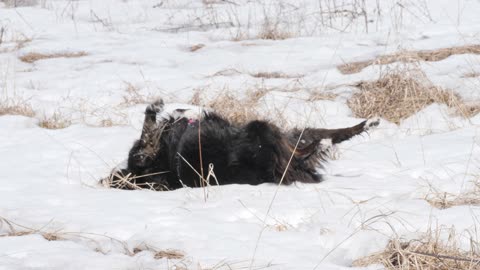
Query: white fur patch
<point x="372" y="123"/>
<point x="326" y="144"/>
<point x="193" y="114"/>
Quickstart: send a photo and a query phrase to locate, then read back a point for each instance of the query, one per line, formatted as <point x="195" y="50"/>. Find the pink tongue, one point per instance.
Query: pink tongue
<point x="191" y="121"/>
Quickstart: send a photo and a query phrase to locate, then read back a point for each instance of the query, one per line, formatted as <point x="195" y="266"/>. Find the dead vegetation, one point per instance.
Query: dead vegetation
<point x="273" y="31"/>
<point x="19" y="3"/>
<point x="429" y="252"/>
<point x="56" y="121"/>
<point x="322" y="95"/>
<point x="16" y="106"/>
<point x="18" y="41"/>
<point x="444" y="200"/>
<point x="408" y="57"/>
<point x="33" y="57"/>
<point x="196" y="47"/>
<point x="274" y="75"/>
<point x="402" y="92"/>
<point x="170" y="254"/>
<point x="236" y="109"/>
<point x="133" y="95"/>
<point x="129" y="181"/>
<point x="13" y="229"/>
<point x="472" y="74"/>
<point x="259" y="74"/>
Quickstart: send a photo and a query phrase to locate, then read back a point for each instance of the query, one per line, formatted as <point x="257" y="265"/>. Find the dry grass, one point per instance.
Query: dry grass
<point x="322" y="95"/>
<point x="134" y="97"/>
<point x="429" y="252"/>
<point x="129" y="181"/>
<point x="19" y="41"/>
<point x="400" y="93"/>
<point x="56" y="121"/>
<point x="33" y="57"/>
<point x="444" y="200"/>
<point x="235" y="109"/>
<point x="196" y="47"/>
<point x="14" y="229"/>
<point x="274" y="75"/>
<point x="409" y="56"/>
<point x="19" y="3"/>
<point x="170" y="254"/>
<point x="16" y="106"/>
<point x="472" y="74"/>
<point x="273" y="32"/>
<point x="271" y="29"/>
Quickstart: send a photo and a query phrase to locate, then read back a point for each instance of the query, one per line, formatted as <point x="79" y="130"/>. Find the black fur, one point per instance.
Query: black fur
<point x="176" y="152"/>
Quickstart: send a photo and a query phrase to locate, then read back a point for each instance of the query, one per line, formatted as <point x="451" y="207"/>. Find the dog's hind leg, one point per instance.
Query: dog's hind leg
<point x="337" y="135"/>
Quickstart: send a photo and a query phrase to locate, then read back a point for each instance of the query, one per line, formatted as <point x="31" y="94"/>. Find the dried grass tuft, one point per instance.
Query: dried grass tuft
<point x="472" y="74"/>
<point x="196" y="47"/>
<point x="236" y="109"/>
<point x="134" y="97"/>
<point x="273" y="31"/>
<point x="322" y="95"/>
<point x="399" y="93"/>
<point x="129" y="182"/>
<point x="427" y="253"/>
<point x="56" y="121"/>
<point x="33" y="57"/>
<point x="16" y="106"/>
<point x="444" y="200"/>
<point x="409" y="56"/>
<point x="170" y="254"/>
<point x="274" y="75"/>
<point x="14" y="229"/>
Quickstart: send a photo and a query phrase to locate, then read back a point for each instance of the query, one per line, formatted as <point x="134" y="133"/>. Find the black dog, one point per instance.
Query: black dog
<point x="177" y="151"/>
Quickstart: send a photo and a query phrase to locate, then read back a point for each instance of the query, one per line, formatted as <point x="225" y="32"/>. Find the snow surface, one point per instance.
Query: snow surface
<point x="374" y="188"/>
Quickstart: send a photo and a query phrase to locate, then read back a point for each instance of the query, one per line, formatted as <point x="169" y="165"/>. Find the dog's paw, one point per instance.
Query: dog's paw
<point x="155" y="107"/>
<point x="371" y="123"/>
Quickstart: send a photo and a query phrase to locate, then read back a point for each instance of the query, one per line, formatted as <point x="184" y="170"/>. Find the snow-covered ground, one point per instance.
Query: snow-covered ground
<point x="134" y="51"/>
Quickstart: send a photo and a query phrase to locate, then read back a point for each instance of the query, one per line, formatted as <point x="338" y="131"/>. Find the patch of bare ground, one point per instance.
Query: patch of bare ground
<point x="56" y="121"/>
<point x="16" y="106"/>
<point x="429" y="252"/>
<point x="402" y="92"/>
<point x="444" y="200"/>
<point x="409" y="56"/>
<point x="33" y="57"/>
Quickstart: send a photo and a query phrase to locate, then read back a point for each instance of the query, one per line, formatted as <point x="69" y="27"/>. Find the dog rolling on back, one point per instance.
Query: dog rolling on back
<point x="175" y="151"/>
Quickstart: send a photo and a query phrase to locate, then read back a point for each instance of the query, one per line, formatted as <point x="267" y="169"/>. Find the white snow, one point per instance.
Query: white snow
<point x="374" y="189"/>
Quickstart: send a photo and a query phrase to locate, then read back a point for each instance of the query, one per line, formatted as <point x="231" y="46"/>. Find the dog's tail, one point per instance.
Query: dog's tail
<point x="341" y="134"/>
